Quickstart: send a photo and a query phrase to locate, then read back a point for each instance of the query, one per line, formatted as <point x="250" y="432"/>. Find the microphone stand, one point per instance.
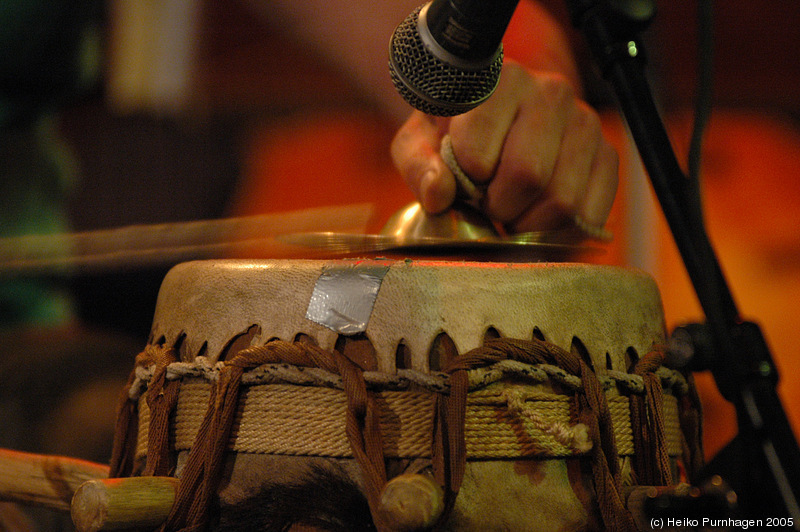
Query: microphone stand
<point x="762" y="463"/>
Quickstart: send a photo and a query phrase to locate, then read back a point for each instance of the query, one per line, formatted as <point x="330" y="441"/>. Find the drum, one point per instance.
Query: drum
<point x="405" y="395"/>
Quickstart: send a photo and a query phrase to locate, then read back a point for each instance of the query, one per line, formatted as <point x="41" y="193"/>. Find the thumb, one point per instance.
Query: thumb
<point x="415" y="152"/>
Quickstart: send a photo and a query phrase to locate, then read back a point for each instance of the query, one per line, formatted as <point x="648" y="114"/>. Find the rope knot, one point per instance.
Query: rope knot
<point x="574" y="437"/>
<point x="515" y="401"/>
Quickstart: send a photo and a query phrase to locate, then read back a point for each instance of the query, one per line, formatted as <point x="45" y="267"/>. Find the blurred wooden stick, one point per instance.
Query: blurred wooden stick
<point x="43" y="480"/>
<point x="123" y="503"/>
<point x="139" y="246"/>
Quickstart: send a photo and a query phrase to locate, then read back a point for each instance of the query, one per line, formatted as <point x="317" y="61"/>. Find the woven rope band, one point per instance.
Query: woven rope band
<point x="308" y="420"/>
<point x="508" y="398"/>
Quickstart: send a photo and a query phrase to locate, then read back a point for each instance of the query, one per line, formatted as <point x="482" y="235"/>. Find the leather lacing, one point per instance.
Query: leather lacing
<point x="200" y="477"/>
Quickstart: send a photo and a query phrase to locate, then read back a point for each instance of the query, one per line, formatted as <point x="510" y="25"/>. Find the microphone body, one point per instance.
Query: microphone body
<point x="446" y="56"/>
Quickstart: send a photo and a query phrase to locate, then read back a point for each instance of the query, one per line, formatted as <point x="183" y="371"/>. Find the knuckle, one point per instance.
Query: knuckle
<point x="473" y="158"/>
<point x="590" y="122"/>
<point x="515" y="73"/>
<point x="477" y="166"/>
<point x="608" y="157"/>
<point x="534" y="175"/>
<point x="401" y="143"/>
<point x="565" y="201"/>
<point x="556" y="89"/>
<point x="609" y="153"/>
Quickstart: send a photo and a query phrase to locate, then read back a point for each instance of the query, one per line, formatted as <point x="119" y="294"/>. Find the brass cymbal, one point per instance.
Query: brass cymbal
<point x="461" y="231"/>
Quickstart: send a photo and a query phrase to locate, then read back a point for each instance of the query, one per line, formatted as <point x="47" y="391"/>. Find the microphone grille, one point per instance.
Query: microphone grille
<point x="431" y="85"/>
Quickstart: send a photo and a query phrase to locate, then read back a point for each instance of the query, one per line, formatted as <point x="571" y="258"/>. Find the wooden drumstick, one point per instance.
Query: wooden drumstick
<point x="411" y="502"/>
<point x="42" y="480"/>
<point x="139" y="246"/>
<point x="123" y="503"/>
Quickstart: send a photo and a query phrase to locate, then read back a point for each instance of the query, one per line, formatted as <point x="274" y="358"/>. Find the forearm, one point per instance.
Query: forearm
<point x="538" y="41"/>
<point x="354" y="35"/>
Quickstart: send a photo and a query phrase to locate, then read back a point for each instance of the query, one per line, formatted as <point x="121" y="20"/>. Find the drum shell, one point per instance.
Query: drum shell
<point x="610" y="316"/>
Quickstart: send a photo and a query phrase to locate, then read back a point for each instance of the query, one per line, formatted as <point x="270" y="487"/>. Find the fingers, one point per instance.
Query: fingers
<point x="602" y="186"/>
<point x="542" y="153"/>
<point x="479" y="136"/>
<point x="569" y="200"/>
<point x="415" y="152"/>
<point x="521" y="170"/>
<point x="582" y="182"/>
<point x="535" y="147"/>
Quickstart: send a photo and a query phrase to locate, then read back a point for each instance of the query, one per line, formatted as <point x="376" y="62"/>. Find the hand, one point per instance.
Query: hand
<point x="536" y="148"/>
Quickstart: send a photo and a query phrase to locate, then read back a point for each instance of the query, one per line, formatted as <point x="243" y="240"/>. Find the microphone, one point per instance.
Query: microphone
<point x="445" y="57"/>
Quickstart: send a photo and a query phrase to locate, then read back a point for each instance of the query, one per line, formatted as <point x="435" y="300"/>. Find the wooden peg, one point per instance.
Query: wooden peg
<point x="412" y="502"/>
<point x="123" y="503"/>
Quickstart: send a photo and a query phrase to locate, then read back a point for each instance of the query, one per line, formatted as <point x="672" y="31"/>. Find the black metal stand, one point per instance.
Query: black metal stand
<point x="762" y="464"/>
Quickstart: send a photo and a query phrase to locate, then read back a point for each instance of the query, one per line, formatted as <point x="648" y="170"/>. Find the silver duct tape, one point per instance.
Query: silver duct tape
<point x="343" y="297"/>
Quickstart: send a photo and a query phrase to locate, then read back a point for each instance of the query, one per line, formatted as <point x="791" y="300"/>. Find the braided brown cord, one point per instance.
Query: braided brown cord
<point x="449" y="454"/>
<point x="162" y="396"/>
<point x="201" y="474"/>
<point x="125" y="429"/>
<point x="651" y="460"/>
<point x="124" y="447"/>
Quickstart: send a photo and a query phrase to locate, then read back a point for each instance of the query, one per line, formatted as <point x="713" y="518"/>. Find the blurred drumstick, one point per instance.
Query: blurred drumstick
<point x="42" y="480"/>
<point x="163" y="244"/>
